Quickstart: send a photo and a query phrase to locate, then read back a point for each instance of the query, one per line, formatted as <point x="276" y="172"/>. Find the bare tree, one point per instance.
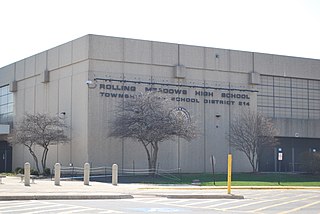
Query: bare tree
<point x="151" y="118"/>
<point x="39" y="130"/>
<point x="251" y="133"/>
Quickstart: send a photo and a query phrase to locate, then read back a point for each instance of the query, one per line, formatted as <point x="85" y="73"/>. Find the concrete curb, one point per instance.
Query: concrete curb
<point x="63" y="197"/>
<point x="235" y="187"/>
<point x="202" y="196"/>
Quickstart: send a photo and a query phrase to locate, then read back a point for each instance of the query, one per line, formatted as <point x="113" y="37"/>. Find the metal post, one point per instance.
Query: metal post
<point x="86" y="173"/>
<point x="27" y="174"/>
<point x="293" y="161"/>
<point x="115" y="174"/>
<point x="213" y="162"/>
<point x="229" y="172"/>
<point x="57" y="170"/>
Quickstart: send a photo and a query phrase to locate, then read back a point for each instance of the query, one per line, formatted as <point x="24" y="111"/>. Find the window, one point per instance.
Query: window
<point x="6" y="105"/>
<point x="289" y="97"/>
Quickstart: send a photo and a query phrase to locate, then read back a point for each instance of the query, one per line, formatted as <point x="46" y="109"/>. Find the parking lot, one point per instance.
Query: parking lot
<point x="256" y="201"/>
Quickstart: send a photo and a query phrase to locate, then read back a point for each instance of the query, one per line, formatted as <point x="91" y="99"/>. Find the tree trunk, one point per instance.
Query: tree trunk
<point x="44" y="158"/>
<point x="34" y="158"/>
<point x="152" y="155"/>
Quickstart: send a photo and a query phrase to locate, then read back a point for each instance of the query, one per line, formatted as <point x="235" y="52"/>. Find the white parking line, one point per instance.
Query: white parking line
<point x="300" y="208"/>
<point x="111" y="211"/>
<point x="80" y="210"/>
<point x="16" y="205"/>
<point x="202" y="202"/>
<point x="178" y="201"/>
<point x="283" y="203"/>
<point x="51" y="210"/>
<point x="23" y="209"/>
<point x="149" y="201"/>
<point x="262" y="201"/>
<point x="228" y="202"/>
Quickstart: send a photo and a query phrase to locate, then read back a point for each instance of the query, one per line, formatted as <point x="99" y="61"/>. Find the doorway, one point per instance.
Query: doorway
<point x="5" y="157"/>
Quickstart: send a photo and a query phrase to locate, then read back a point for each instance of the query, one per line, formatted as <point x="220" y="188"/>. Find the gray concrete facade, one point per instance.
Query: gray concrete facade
<point x="89" y="77"/>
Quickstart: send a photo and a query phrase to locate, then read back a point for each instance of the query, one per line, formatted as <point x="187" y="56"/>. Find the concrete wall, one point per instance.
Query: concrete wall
<point x="286" y="66"/>
<point x="65" y="91"/>
<point x="302" y="128"/>
<point x="89" y="114"/>
<point x="155" y="61"/>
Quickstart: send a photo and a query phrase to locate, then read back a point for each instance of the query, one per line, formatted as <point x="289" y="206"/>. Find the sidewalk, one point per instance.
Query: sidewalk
<point x="44" y="189"/>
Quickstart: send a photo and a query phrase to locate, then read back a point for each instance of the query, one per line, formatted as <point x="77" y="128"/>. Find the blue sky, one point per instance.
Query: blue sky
<point x="284" y="27"/>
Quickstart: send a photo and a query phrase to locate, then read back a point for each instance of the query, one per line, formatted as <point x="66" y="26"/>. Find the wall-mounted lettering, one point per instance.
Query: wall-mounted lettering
<point x="217" y="96"/>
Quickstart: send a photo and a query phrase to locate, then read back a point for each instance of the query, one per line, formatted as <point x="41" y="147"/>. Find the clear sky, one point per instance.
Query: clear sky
<point x="285" y="27"/>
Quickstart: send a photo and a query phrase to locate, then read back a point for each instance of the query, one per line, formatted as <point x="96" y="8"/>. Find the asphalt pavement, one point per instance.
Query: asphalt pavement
<point x="11" y="188"/>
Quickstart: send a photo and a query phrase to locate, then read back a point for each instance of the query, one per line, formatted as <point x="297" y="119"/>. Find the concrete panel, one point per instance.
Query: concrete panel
<point x="216" y="78"/>
<point x="53" y="58"/>
<point x="29" y="105"/>
<point x="137" y="51"/>
<point x="105" y="48"/>
<point x="53" y="97"/>
<point x="29" y="83"/>
<point x="134" y="157"/>
<point x="7" y="74"/>
<point x="63" y="152"/>
<point x="99" y="144"/>
<point x="303" y="127"/>
<point x="21" y="154"/>
<point x="138" y="69"/>
<point x="222" y="59"/>
<point x="240" y="162"/>
<point x="314" y="66"/>
<point x="165" y="53"/>
<point x="101" y="68"/>
<point x="264" y="63"/>
<point x="41" y="62"/>
<point x="241" y="61"/>
<point x="241" y="79"/>
<point x="168" y="155"/>
<point x="162" y="71"/>
<point x="41" y="98"/>
<point x="59" y="153"/>
<point x="65" y="72"/>
<point x="30" y="66"/>
<point x="54" y="75"/>
<point x="19" y="100"/>
<point x="80" y="49"/>
<point x="218" y="59"/>
<point x="210" y="58"/>
<point x="194" y="150"/>
<point x="213" y="127"/>
<point x="65" y="86"/>
<point x="81" y="67"/>
<point x="195" y="74"/>
<point x="65" y="54"/>
<point x="192" y="56"/>
<point x="287" y="66"/>
<point x="79" y="100"/>
<point x="20" y="68"/>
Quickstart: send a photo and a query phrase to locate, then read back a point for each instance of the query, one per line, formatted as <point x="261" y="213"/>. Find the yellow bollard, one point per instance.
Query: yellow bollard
<point x="229" y="172"/>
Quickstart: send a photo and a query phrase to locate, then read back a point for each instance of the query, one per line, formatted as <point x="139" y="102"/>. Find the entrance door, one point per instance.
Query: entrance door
<point x="5" y="157"/>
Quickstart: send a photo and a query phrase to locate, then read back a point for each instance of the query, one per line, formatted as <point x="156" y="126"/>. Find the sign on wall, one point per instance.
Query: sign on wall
<point x="126" y="89"/>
